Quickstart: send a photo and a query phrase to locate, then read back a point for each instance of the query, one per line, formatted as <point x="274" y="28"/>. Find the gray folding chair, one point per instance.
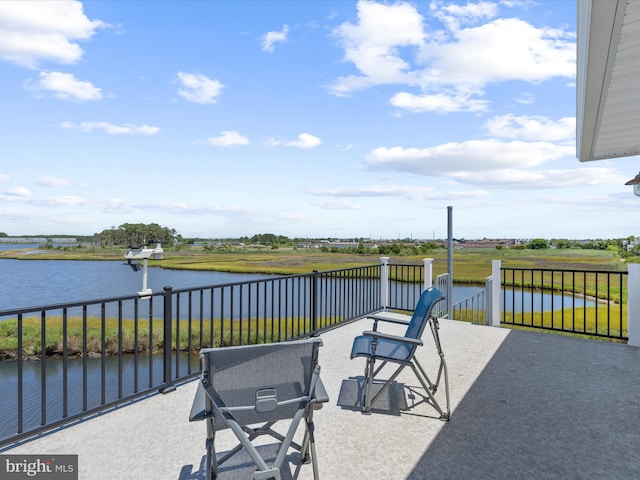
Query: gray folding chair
<point x="250" y="388"/>
<point x="400" y="350"/>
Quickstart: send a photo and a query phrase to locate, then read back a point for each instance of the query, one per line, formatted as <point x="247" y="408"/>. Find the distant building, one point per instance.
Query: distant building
<point x="22" y="240"/>
<point x="488" y="243"/>
<point x="341" y="244"/>
<point x="66" y="240"/>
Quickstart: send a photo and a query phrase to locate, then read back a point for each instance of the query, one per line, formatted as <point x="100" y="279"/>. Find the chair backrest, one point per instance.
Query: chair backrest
<point x="260" y="376"/>
<point x="423" y="309"/>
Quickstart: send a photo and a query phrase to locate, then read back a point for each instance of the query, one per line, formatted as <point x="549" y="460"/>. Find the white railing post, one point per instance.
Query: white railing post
<point x="496" y="284"/>
<point x="428" y="273"/>
<point x="488" y="300"/>
<point x="633" y="304"/>
<point x="384" y="282"/>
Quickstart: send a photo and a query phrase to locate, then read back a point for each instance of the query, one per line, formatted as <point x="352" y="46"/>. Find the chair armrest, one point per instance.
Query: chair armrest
<point x="320" y="394"/>
<point x="376" y="317"/>
<point x="395" y="338"/>
<point x="198" y="408"/>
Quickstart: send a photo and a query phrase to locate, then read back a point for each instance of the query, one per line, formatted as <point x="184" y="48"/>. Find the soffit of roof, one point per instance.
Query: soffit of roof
<point x="608" y="81"/>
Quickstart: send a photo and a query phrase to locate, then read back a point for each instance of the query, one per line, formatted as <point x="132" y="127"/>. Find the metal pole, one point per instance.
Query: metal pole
<point x="168" y="383"/>
<point x="314" y="302"/>
<point x="449" y="259"/>
<point x="144" y="275"/>
<point x="384" y="282"/>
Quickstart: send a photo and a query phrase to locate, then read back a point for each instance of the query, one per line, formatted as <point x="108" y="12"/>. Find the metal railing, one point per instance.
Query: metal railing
<point x="443" y="283"/>
<point x="589" y="302"/>
<point x="406" y="282"/>
<point x="476" y="308"/>
<point x="67" y="361"/>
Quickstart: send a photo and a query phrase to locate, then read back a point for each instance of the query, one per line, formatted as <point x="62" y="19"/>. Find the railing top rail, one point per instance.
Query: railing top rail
<point x="568" y="270"/>
<point x="392" y="264"/>
<point x="98" y="301"/>
<point x="269" y="279"/>
<point x="362" y="267"/>
<point x="79" y="303"/>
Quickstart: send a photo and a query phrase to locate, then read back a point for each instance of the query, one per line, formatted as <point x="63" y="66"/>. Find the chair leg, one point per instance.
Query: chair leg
<point x="443" y="367"/>
<point x="314" y="462"/>
<point x="370" y="373"/>
<point x="431" y="387"/>
<point x="308" y="450"/>
<point x="304" y="447"/>
<point x="210" y="464"/>
<point x="386" y="385"/>
<point x="368" y="378"/>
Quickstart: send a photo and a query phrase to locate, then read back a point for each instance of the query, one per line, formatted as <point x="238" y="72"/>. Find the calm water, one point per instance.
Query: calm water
<point x="32" y="283"/>
<point x="29" y="283"/>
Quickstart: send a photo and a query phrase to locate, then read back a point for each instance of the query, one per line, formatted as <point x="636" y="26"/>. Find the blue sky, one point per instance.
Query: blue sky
<point x="301" y="118"/>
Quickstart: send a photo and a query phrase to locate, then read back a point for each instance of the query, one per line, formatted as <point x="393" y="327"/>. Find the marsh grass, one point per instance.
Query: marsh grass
<point x="591" y="284"/>
<point x="602" y="320"/>
<point x="113" y="336"/>
<point x="470" y="265"/>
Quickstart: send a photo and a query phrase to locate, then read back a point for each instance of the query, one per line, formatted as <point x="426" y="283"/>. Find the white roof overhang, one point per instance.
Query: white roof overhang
<point x="608" y="79"/>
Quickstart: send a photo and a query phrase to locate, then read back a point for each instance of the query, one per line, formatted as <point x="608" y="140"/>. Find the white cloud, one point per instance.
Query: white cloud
<point x="35" y="32"/>
<point x="340" y="205"/>
<point x="499" y="164"/>
<point x="373" y="44"/>
<point x="519" y="3"/>
<point x="526" y="98"/>
<point x="503" y="50"/>
<point x="406" y="191"/>
<point x="228" y="138"/>
<point x="469" y="156"/>
<point x="198" y="88"/>
<point x="111" y="129"/>
<point x="68" y="200"/>
<point x="389" y="44"/>
<point x="523" y="127"/>
<point x="18" y="192"/>
<point x="65" y="87"/>
<point x="305" y="140"/>
<point x="53" y="181"/>
<point x="536" y="179"/>
<point x="269" y="39"/>
<point x="453" y="16"/>
<point x="439" y="102"/>
<point x="65" y="200"/>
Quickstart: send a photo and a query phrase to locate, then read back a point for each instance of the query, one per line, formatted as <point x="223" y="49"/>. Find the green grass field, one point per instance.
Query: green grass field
<point x="150" y="336"/>
<point x="469" y="265"/>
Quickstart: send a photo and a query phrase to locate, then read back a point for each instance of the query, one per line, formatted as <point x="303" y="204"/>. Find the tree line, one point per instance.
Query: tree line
<point x="561" y="243"/>
<point x="140" y="234"/>
<point x="137" y="234"/>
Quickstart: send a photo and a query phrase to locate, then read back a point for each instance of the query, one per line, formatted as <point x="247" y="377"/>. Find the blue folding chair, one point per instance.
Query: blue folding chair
<point x="400" y="350"/>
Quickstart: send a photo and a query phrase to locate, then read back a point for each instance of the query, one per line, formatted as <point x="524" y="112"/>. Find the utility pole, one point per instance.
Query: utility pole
<point x="449" y="259"/>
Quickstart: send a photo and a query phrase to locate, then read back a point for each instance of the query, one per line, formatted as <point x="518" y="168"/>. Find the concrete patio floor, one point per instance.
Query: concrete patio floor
<point x="525" y="405"/>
